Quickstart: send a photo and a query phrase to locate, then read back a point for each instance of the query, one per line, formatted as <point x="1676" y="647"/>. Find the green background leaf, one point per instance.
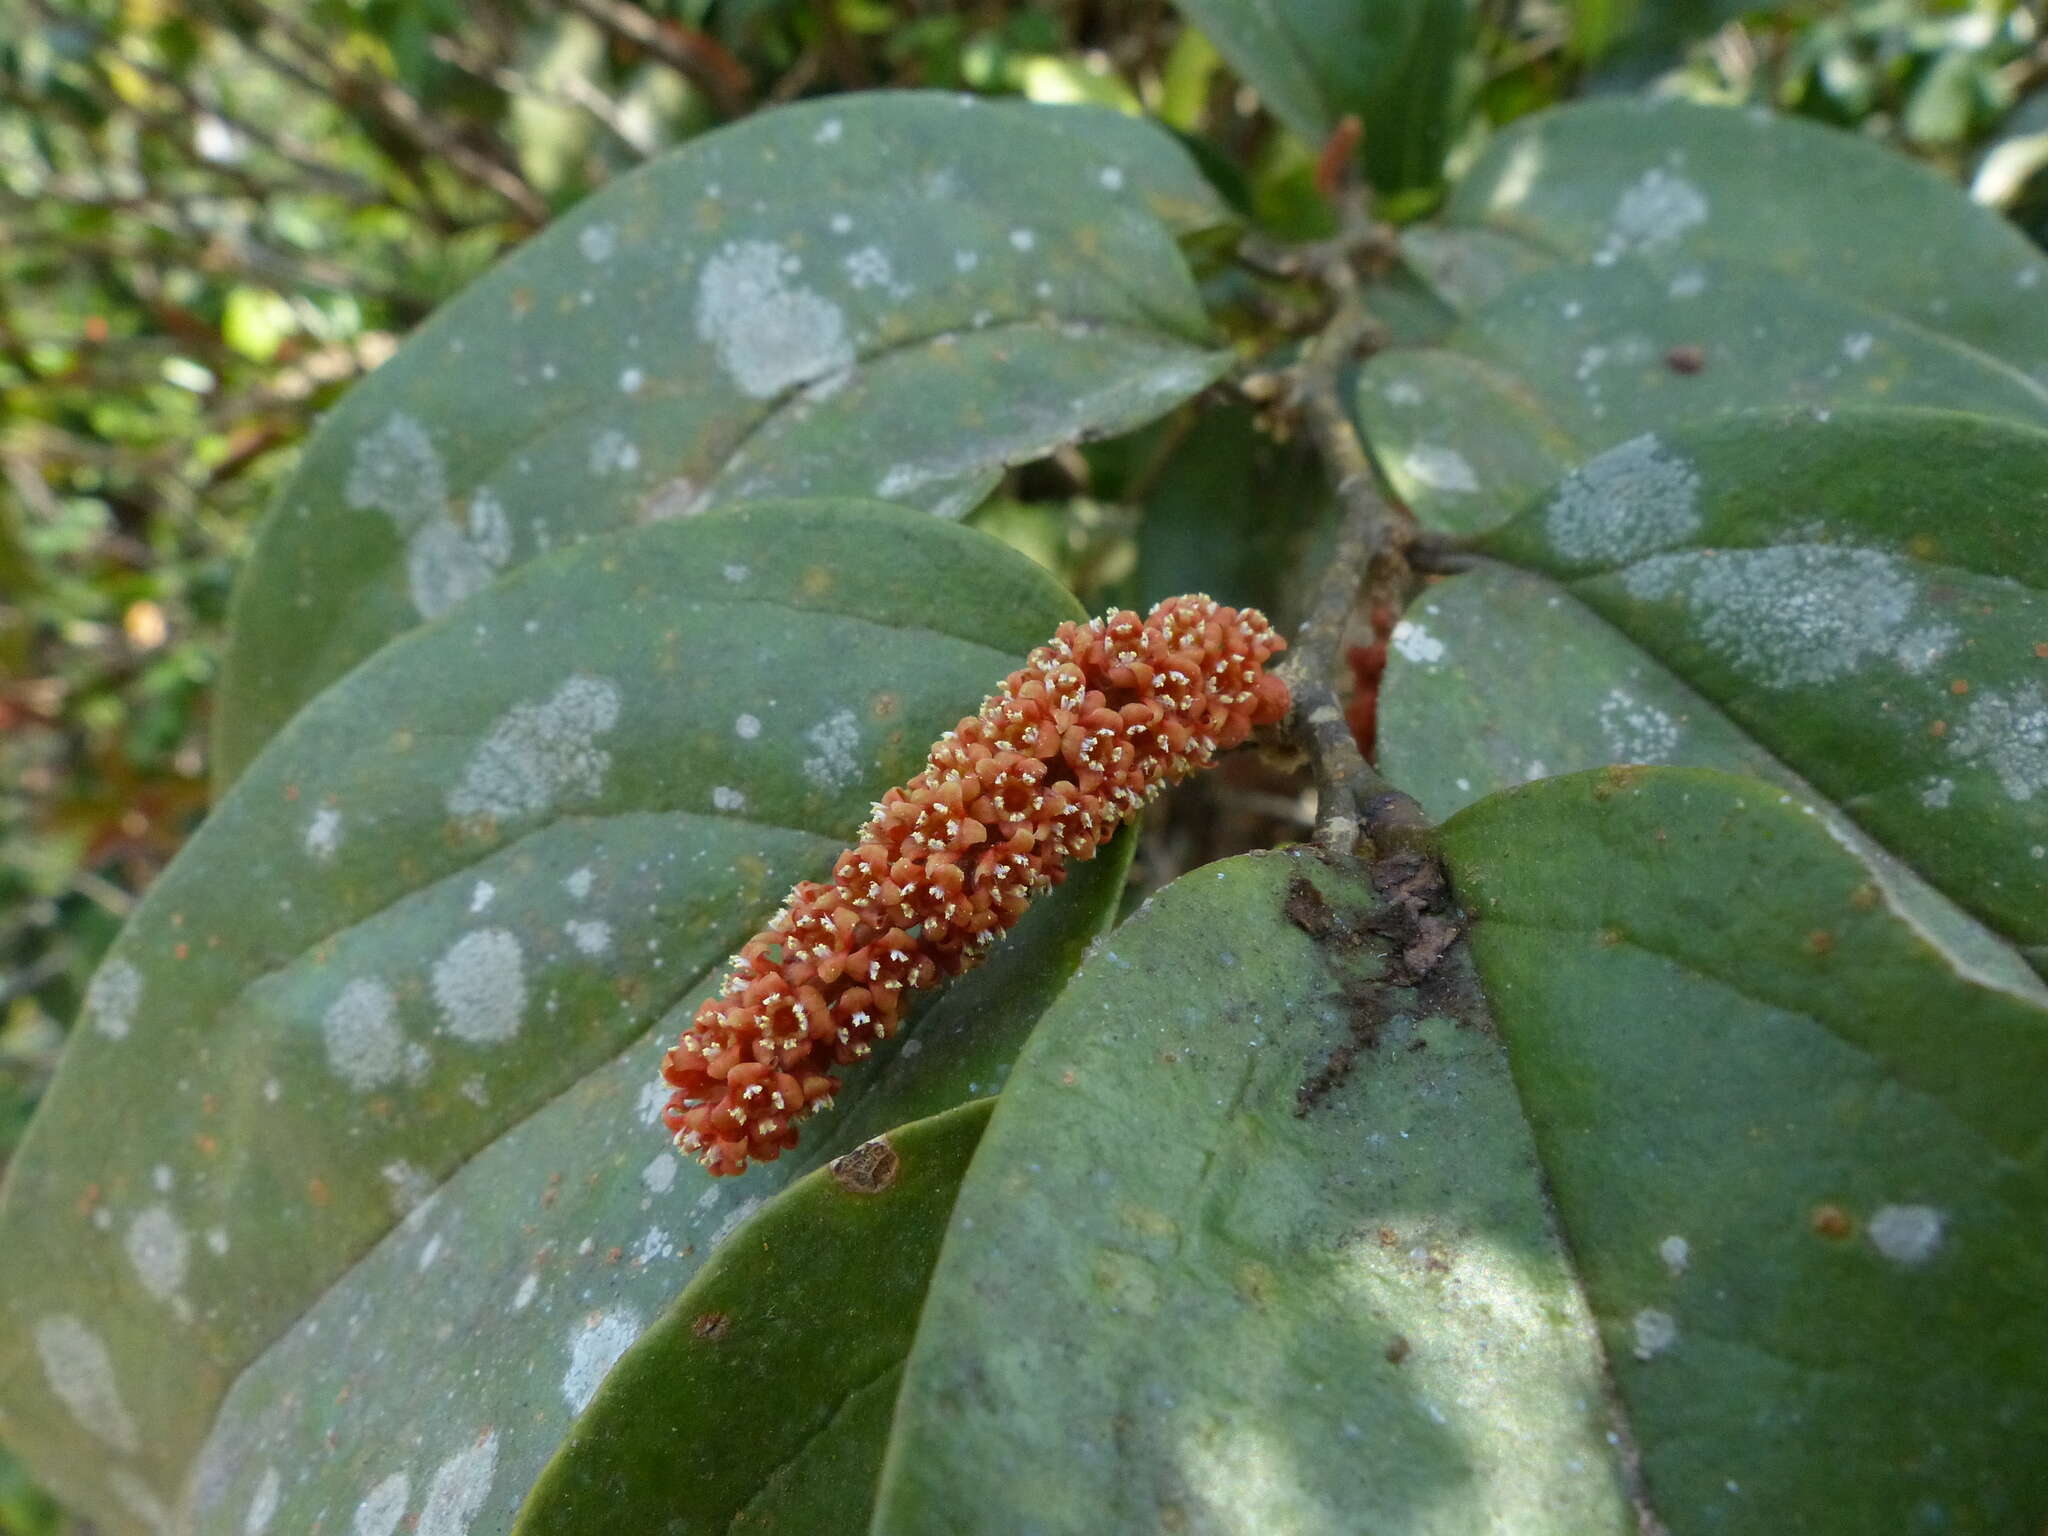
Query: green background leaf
<point x="1797" y="1154"/>
<point x="396" y="1015"/>
<point x="889" y="296"/>
<point x="760" y="1400"/>
<point x="1200" y="1277"/>
<point x="1392" y="62"/>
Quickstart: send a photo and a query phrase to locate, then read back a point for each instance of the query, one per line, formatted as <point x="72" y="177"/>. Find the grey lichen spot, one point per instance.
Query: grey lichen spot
<point x="397" y="471"/>
<point x="1655" y="1332"/>
<point x="2007" y="731"/>
<point x="868" y="1169"/>
<point x="1632" y="500"/>
<point x="597" y="242"/>
<point x="1906" y="1234"/>
<point x="160" y="1249"/>
<point x="1636" y="732"/>
<point x="594" y="1348"/>
<point x="364" y="1044"/>
<point x="323" y="834"/>
<point x="1676" y="1253"/>
<point x="461" y="1485"/>
<point x="836" y="740"/>
<point x="382" y="1507"/>
<point x="769" y="333"/>
<point x="540" y="754"/>
<point x="81" y="1375"/>
<point x="479" y="986"/>
<point x="446" y="564"/>
<point x="1653" y="212"/>
<point x="1793" y="616"/>
<point x="612" y="452"/>
<point x="113" y="998"/>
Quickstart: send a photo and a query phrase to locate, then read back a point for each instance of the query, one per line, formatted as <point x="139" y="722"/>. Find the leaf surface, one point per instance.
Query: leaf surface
<point x="1798" y="1156"/>
<point x="383" y="1040"/>
<point x="1201" y="1276"/>
<point x="889" y="296"/>
<point x="759" y="1400"/>
<point x="1857" y="609"/>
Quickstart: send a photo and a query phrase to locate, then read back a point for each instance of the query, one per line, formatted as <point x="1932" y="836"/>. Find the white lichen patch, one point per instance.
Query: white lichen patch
<point x="160" y="1251"/>
<point x="597" y="242"/>
<point x="1414" y="643"/>
<point x="631" y="380"/>
<point x="869" y="267"/>
<point x="479" y="985"/>
<point x="1439" y="468"/>
<point x="726" y="798"/>
<point x="263" y="1503"/>
<point x="1935" y="794"/>
<point x="1636" y="732"/>
<point x="1676" y="1253"/>
<point x="323" y="834"/>
<point x="654" y="1244"/>
<point x="747" y="727"/>
<point x="2007" y="731"/>
<point x="113" y="998"/>
<point x="836" y="739"/>
<point x="396" y="470"/>
<point x="659" y="1176"/>
<point x="613" y="453"/>
<point x="594" y="1348"/>
<point x="446" y="564"/>
<point x="1023" y="239"/>
<point x="1655" y="1332"/>
<point x="461" y="1485"/>
<point x="541" y="754"/>
<point x="429" y="1251"/>
<point x="770" y="335"/>
<point x="1654" y="211"/>
<point x="365" y="1047"/>
<point x="734" y="1219"/>
<point x="81" y="1376"/>
<point x="590" y="936"/>
<point x="1906" y="1234"/>
<point x="1856" y="346"/>
<point x="579" y="881"/>
<point x="1793" y="616"/>
<point x="653" y="1096"/>
<point x="1632" y="500"/>
<point x="529" y="1287"/>
<point x="481" y="895"/>
<point x="382" y="1507"/>
<point x="829" y="131"/>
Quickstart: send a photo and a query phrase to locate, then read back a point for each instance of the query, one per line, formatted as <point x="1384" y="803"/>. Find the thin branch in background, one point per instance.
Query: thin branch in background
<point x="698" y="58"/>
<point x="572" y="91"/>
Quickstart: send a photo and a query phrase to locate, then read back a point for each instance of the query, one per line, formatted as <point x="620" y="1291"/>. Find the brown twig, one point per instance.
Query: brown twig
<point x="1355" y="805"/>
<point x="696" y="56"/>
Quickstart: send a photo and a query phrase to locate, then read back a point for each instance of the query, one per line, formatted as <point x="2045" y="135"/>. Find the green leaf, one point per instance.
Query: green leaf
<point x="1393" y="63"/>
<point x="892" y="295"/>
<point x="1801" y="599"/>
<point x="378" y="1052"/>
<point x="1594" y="355"/>
<point x="1254" y="1242"/>
<point x="1798" y="1156"/>
<point x="1665" y="178"/>
<point x="760" y="1400"/>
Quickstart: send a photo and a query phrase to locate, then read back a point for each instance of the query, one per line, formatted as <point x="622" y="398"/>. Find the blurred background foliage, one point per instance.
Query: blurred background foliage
<point x="216" y="214"/>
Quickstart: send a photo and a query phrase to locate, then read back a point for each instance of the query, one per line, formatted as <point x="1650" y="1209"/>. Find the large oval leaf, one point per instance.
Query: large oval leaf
<point x="1670" y="179"/>
<point x="1858" y="605"/>
<point x="797" y="1329"/>
<point x="405" y="956"/>
<point x="1798" y="1156"/>
<point x="1255" y="1243"/>
<point x="1579" y="358"/>
<point x="892" y="295"/>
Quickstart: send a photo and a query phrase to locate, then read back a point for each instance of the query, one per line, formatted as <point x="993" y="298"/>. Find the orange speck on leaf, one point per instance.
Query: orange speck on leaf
<point x="317" y="1191"/>
<point x="1091" y="728"/>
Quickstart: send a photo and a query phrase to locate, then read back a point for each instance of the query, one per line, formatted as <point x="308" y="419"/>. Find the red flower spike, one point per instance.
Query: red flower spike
<point x="1096" y="723"/>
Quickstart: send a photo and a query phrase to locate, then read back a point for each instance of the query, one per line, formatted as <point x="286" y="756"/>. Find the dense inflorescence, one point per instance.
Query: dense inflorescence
<point x="1094" y="725"/>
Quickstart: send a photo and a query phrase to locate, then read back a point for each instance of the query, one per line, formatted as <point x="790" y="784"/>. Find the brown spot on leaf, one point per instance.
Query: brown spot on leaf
<point x="1687" y="359"/>
<point x="1938" y="730"/>
<point x="868" y="1169"/>
<point x="1832" y="1222"/>
<point x="1308" y="909"/>
<point x="1865" y="897"/>
<point x="317" y="1191"/>
<point x="1820" y="942"/>
<point x="711" y="1326"/>
<point x="1398" y="1349"/>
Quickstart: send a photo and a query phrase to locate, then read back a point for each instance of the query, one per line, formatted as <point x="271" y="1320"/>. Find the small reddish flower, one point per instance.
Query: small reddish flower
<point x="1096" y="723"/>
